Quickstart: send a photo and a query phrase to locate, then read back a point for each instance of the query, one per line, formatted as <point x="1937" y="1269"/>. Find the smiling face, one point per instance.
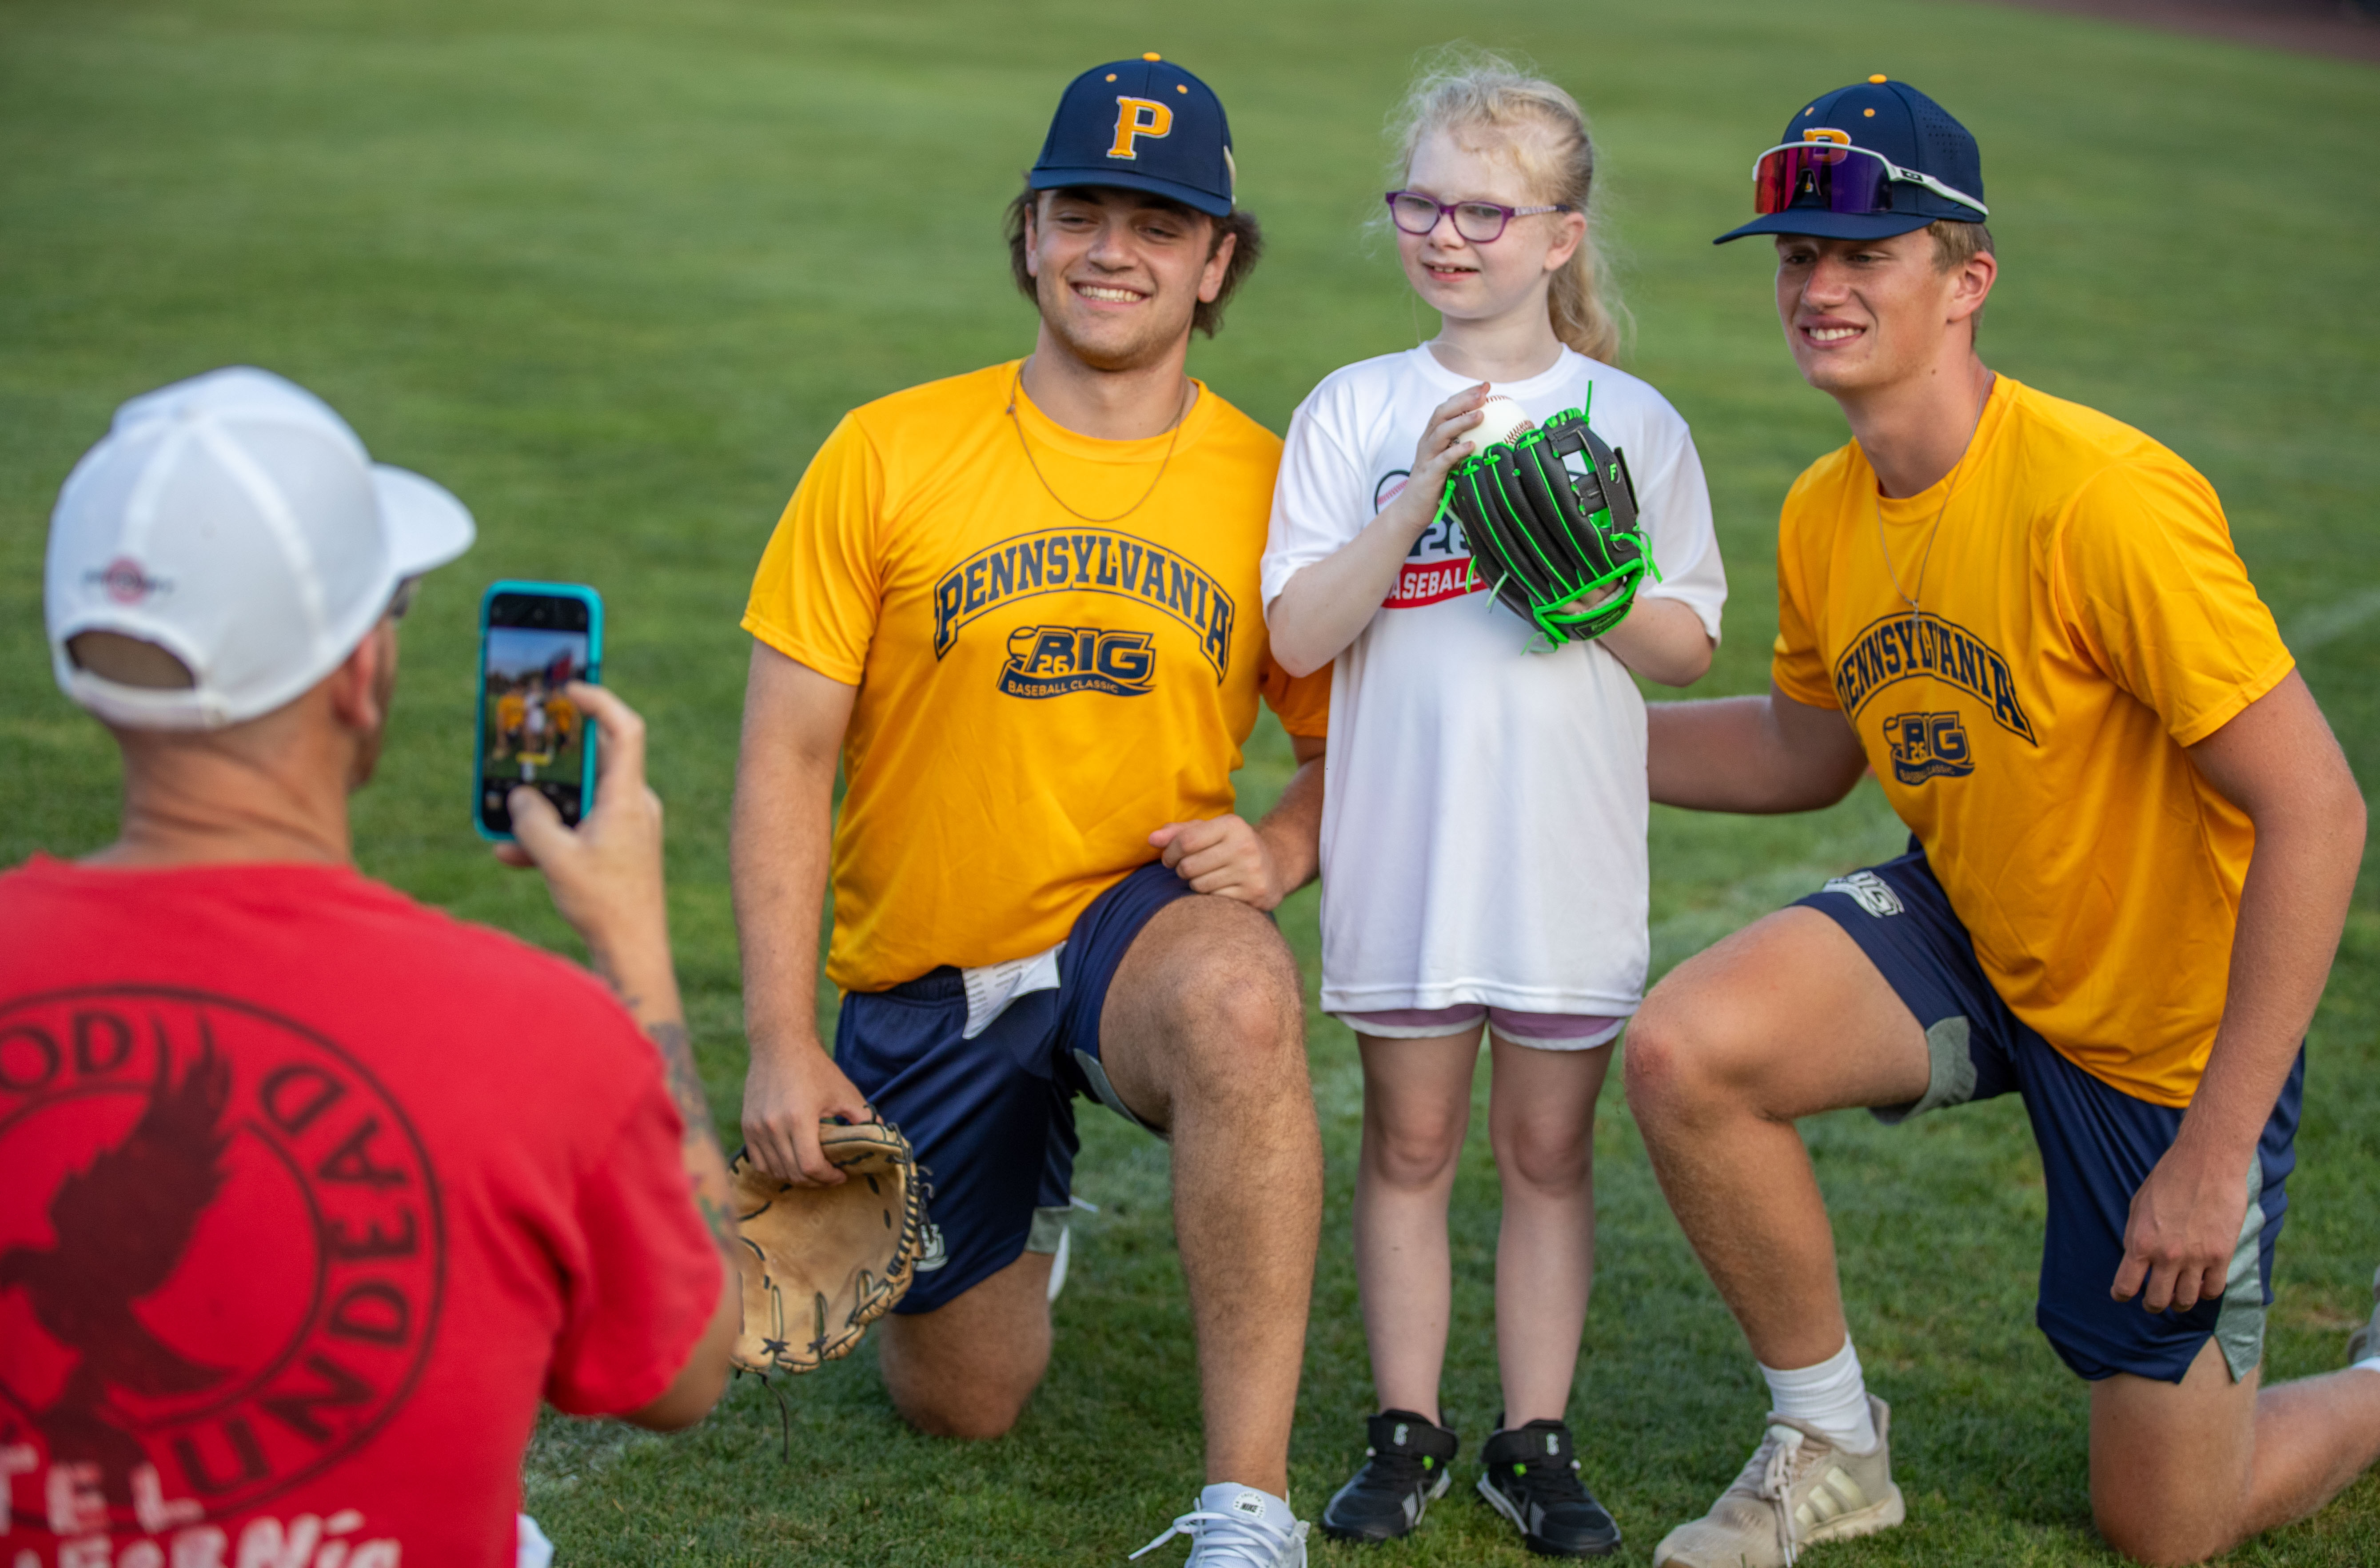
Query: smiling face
<point x="1118" y="275"/>
<point x="1862" y="315"/>
<point x="1466" y="282"/>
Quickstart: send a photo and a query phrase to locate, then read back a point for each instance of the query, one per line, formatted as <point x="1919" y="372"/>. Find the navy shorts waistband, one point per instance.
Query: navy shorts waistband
<point x="938" y="984"/>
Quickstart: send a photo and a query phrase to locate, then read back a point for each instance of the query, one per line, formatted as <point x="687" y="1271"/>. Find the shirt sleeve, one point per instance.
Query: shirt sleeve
<point x="641" y="1275"/>
<point x="819" y="592"/>
<point x="1319" y="500"/>
<point x="1797" y="664"/>
<point x="1676" y="518"/>
<point x="1302" y="702"/>
<point x="2144" y="572"/>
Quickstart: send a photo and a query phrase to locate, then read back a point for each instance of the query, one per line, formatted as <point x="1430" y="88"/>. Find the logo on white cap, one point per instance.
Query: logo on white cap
<point x="126" y="582"/>
<point x="235" y="521"/>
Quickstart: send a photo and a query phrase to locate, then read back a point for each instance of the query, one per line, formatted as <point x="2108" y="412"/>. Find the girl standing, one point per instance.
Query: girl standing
<point x="1482" y="837"/>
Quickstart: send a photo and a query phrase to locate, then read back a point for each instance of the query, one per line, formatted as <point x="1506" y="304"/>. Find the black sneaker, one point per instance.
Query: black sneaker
<point x="1404" y="1472"/>
<point x="1530" y="1476"/>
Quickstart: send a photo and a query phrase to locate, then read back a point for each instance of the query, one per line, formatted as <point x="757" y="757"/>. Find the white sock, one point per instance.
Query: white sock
<point x="1830" y="1397"/>
<point x="2369" y="1364"/>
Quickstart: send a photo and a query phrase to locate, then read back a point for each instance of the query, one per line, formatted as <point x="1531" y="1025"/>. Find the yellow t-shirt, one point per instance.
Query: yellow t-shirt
<point x="2084" y="617"/>
<point x="1037" y="693"/>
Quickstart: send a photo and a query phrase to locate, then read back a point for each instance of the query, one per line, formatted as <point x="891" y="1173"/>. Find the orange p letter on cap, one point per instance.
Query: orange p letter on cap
<point x="1137" y="117"/>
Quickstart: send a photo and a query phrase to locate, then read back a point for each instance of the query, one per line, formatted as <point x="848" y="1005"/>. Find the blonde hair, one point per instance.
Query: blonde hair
<point x="1543" y="131"/>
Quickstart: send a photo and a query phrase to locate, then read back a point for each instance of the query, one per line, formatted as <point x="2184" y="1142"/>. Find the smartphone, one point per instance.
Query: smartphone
<point x="535" y="638"/>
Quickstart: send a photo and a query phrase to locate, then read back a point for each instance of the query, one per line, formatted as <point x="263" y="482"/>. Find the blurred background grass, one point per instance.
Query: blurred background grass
<point x="611" y="271"/>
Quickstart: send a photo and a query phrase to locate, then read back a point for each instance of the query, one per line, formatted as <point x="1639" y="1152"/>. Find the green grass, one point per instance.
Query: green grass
<point x="611" y="271"/>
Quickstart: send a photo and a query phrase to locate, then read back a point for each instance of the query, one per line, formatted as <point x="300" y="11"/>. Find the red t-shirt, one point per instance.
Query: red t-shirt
<point x="308" y="1194"/>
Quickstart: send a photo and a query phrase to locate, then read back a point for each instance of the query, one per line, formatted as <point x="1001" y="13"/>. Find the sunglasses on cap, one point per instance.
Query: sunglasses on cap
<point x="1848" y="179"/>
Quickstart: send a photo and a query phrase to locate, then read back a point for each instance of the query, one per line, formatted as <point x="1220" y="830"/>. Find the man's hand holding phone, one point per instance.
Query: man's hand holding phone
<point x="605" y="874"/>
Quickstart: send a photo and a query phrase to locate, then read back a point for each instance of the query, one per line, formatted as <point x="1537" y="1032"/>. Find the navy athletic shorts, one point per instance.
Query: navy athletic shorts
<point x="2097" y="1143"/>
<point x="992" y="1118"/>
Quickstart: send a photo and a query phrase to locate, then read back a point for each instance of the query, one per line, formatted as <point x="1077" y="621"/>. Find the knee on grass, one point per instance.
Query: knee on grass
<point x="975" y="1411"/>
<point x="2158" y="1536"/>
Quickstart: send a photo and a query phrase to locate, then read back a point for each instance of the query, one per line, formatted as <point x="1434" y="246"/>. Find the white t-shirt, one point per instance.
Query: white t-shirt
<point x="1484" y="809"/>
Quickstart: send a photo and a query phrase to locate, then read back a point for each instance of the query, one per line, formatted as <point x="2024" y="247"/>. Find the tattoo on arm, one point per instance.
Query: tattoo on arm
<point x="694" y="1110"/>
<point x="684" y="1083"/>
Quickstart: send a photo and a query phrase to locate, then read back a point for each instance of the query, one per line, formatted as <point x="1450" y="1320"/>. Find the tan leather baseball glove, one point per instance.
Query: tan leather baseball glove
<point x="822" y="1263"/>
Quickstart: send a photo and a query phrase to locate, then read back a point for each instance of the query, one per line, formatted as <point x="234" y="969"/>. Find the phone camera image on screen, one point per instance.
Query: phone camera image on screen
<point x="531" y="732"/>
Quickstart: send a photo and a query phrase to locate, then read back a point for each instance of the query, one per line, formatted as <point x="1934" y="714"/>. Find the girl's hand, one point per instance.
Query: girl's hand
<point x="1442" y="445"/>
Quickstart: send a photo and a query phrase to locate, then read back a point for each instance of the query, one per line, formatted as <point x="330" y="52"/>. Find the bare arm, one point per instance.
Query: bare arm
<point x="1259" y="865"/>
<point x="2278" y="762"/>
<point x="607" y="881"/>
<point x="794" y="723"/>
<point x="1293" y="829"/>
<point x="1753" y="754"/>
<point x="1663" y="640"/>
<point x="1327" y="605"/>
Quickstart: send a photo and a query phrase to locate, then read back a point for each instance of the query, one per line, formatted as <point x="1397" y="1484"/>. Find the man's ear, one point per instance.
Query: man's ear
<point x="1033" y="237"/>
<point x="1973" y="285"/>
<point x="1210" y="281"/>
<point x="359" y="688"/>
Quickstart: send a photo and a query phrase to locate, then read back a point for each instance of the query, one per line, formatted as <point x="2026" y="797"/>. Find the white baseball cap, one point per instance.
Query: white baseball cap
<point x="234" y="520"/>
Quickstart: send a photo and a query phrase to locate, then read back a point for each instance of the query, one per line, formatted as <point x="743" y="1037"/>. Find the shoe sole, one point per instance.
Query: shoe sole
<point x="1362" y="1537"/>
<point x="1497" y="1501"/>
<point x="1875" y="1519"/>
<point x="1868" y="1521"/>
<point x="2358" y="1344"/>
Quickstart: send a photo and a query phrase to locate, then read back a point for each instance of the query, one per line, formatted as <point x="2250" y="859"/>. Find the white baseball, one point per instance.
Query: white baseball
<point x="1500" y="418"/>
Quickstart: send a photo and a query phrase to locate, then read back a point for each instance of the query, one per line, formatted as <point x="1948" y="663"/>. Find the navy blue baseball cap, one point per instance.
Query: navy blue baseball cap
<point x="1143" y="125"/>
<point x="1910" y="164"/>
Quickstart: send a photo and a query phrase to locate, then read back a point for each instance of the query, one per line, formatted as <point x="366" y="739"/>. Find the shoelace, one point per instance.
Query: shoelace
<point x="1550" y="1483"/>
<point x="1402" y="1470"/>
<point x="1257" y="1544"/>
<point x="1784" y="1446"/>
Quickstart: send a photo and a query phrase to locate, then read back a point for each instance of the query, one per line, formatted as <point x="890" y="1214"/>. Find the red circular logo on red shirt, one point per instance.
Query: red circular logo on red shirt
<point x="221" y="1252"/>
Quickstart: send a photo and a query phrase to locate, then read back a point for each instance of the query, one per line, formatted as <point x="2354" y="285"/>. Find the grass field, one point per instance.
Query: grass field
<point x="611" y="271"/>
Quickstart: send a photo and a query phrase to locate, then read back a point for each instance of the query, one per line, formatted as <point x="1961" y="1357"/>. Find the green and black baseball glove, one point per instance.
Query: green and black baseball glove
<point x="1557" y="542"/>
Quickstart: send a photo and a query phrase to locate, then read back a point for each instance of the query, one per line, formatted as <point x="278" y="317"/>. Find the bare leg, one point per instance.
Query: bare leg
<point x="1784" y="1019"/>
<point x="1204" y="1033"/>
<point x="1541" y="1118"/>
<point x="2179" y="1472"/>
<point x="1416" y="1108"/>
<point x="966" y="1368"/>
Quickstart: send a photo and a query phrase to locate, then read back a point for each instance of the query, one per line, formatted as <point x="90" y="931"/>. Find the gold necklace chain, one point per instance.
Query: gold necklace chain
<point x="1876" y="501"/>
<point x="1017" y="385"/>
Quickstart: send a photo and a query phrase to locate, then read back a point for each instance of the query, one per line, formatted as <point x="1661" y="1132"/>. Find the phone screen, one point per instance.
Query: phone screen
<point x="530" y="732"/>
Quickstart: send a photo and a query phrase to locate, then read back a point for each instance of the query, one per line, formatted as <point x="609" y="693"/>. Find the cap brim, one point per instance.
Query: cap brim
<point x="1205" y="201"/>
<point x="1820" y="224"/>
<point x="427" y="526"/>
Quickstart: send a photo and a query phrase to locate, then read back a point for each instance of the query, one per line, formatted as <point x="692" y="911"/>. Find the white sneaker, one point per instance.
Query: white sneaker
<point x="1237" y="1526"/>
<point x="1798" y="1488"/>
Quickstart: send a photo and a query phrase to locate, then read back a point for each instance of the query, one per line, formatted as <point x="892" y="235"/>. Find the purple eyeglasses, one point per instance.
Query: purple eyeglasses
<point x="1481" y="223"/>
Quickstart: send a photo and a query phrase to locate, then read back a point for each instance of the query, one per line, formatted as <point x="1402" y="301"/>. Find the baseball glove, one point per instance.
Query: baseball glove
<point x="825" y="1262"/>
<point x="1558" y="544"/>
